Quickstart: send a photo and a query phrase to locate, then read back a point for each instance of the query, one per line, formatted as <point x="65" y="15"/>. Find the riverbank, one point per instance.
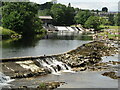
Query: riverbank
<point x="10" y="34"/>
<point x="7" y="33"/>
<point x="108" y="33"/>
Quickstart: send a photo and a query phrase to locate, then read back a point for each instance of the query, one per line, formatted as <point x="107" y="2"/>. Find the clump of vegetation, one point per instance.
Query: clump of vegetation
<point x="21" y="17"/>
<point x="93" y="22"/>
<point x="6" y="33"/>
<point x="42" y="85"/>
<point x="82" y="16"/>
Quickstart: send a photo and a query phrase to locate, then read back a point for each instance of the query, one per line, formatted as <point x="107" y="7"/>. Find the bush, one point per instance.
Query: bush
<point x="42" y="85"/>
<point x="7" y="33"/>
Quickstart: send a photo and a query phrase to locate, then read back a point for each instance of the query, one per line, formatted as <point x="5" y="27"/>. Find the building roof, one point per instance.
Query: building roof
<point x="45" y="17"/>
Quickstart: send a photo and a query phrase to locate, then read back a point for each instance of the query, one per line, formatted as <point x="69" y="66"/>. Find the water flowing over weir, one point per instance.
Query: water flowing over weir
<point x="4" y="79"/>
<point x="23" y="67"/>
<point x="53" y="65"/>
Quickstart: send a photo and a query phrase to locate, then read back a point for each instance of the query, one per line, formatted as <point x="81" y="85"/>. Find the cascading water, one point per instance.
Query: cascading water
<point x="4" y="79"/>
<point x="54" y="65"/>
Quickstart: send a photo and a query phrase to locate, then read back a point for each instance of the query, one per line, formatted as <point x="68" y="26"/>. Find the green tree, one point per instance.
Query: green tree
<point x="58" y="14"/>
<point x="104" y="20"/>
<point x="111" y="19"/>
<point x="117" y="19"/>
<point x="21" y="17"/>
<point x="82" y="16"/>
<point x="45" y="12"/>
<point x="62" y="15"/>
<point x="69" y="15"/>
<point x="46" y="5"/>
<point x="93" y="22"/>
<point x="105" y="9"/>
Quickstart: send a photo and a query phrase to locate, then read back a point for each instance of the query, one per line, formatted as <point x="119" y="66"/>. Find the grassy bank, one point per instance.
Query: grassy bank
<point x="109" y="32"/>
<point x="109" y="27"/>
<point x="7" y="33"/>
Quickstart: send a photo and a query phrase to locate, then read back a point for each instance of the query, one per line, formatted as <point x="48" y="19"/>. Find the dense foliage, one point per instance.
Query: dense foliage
<point x="21" y="17"/>
<point x="44" y="9"/>
<point x="82" y="16"/>
<point x="7" y="33"/>
<point x="117" y="20"/>
<point x="111" y="19"/>
<point x="67" y="15"/>
<point x="93" y="22"/>
<point x="62" y="14"/>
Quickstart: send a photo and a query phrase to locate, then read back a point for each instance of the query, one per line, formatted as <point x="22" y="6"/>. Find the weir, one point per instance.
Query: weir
<point x="4" y="79"/>
<point x="83" y="56"/>
<point x="53" y="65"/>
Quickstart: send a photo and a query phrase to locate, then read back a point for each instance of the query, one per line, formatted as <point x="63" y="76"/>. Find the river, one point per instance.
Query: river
<point x="56" y="43"/>
<point x="52" y="43"/>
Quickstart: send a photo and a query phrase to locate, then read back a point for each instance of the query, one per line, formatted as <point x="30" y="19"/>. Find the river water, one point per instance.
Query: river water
<point x="52" y="43"/>
<point x="83" y="79"/>
<point x="55" y="43"/>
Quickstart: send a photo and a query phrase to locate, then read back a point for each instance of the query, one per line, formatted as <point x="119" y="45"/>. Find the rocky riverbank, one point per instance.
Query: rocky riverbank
<point x="87" y="54"/>
<point x="44" y="86"/>
<point x="81" y="58"/>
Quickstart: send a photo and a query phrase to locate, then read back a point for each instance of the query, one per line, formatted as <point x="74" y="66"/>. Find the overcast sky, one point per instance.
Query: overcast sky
<point x="87" y="4"/>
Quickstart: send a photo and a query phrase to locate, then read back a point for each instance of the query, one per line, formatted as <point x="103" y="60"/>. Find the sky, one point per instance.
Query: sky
<point x="87" y="4"/>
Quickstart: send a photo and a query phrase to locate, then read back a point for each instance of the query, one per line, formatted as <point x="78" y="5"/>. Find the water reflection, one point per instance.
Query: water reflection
<point x="68" y="36"/>
<point x="51" y="43"/>
<point x="20" y="43"/>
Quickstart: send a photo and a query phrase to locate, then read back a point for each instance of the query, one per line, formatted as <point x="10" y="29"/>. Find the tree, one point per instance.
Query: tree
<point x="104" y="20"/>
<point x="58" y="14"/>
<point x="105" y="9"/>
<point x="111" y="19"/>
<point x="20" y="17"/>
<point x="93" y="22"/>
<point x="62" y="15"/>
<point x="69" y="13"/>
<point x="45" y="12"/>
<point x="46" y="5"/>
<point x="82" y="16"/>
<point x="117" y="19"/>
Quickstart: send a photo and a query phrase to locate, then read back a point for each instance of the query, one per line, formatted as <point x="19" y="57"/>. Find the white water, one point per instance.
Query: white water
<point x="4" y="79"/>
<point x="56" y="67"/>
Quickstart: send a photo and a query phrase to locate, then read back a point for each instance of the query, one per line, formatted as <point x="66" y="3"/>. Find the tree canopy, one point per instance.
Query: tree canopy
<point x="117" y="19"/>
<point x="105" y="9"/>
<point x="93" y="22"/>
<point x="21" y="17"/>
<point x="62" y="15"/>
<point x="82" y="16"/>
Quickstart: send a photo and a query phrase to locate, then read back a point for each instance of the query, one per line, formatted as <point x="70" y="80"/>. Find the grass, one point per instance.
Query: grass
<point x="110" y="27"/>
<point x="6" y="33"/>
<point x="111" y="34"/>
<point x="42" y="85"/>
